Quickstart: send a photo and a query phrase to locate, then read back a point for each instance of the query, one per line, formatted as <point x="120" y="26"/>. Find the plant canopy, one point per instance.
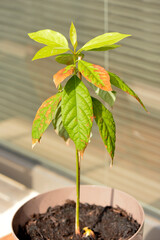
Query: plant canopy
<point x="72" y="110"/>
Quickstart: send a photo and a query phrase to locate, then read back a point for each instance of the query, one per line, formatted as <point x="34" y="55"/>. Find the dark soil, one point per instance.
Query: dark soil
<point x="58" y="223"/>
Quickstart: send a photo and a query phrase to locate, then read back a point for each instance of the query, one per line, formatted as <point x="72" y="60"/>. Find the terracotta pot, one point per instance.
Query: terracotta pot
<point x="91" y="194"/>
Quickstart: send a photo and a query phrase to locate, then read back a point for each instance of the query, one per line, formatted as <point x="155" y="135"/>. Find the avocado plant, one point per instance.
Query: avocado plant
<point x="72" y="110"/>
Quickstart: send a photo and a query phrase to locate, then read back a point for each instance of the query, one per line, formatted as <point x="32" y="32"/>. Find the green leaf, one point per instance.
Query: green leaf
<point x="77" y="113"/>
<point x="95" y="74"/>
<point x="103" y="40"/>
<point x="49" y="37"/>
<point x="67" y="59"/>
<point x="58" y="124"/>
<point x="44" y="117"/>
<point x="48" y="51"/>
<point x="73" y="35"/>
<point x="106" y="125"/>
<point x="116" y="81"/>
<point x="108" y="97"/>
<point x="105" y="48"/>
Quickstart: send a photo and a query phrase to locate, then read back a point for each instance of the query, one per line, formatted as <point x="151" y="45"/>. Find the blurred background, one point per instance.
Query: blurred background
<point x="24" y="85"/>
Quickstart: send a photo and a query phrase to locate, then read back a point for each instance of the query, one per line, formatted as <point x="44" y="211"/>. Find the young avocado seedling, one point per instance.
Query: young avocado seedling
<point x="73" y="109"/>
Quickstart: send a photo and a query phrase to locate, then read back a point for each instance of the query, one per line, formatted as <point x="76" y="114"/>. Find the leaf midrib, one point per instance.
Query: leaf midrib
<point x="80" y="132"/>
<point x="76" y="109"/>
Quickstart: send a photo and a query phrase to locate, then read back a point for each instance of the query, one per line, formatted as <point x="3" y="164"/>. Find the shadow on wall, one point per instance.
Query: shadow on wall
<point x="154" y="234"/>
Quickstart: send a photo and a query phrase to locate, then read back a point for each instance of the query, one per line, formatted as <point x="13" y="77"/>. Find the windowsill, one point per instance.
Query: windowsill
<point x="151" y="228"/>
<point x="31" y="173"/>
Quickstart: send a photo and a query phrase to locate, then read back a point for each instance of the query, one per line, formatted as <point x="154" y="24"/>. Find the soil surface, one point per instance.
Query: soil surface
<point x="58" y="223"/>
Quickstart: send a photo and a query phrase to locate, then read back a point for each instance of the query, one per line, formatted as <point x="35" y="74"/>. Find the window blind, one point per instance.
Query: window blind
<point x="137" y="62"/>
<point x="25" y="84"/>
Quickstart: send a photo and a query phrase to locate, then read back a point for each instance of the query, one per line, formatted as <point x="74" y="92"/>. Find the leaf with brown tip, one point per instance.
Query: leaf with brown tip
<point x="116" y="81"/>
<point x="62" y="74"/>
<point x="44" y="117"/>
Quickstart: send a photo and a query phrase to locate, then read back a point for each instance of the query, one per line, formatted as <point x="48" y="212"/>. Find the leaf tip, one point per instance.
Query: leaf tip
<point x="111" y="163"/>
<point x="34" y="58"/>
<point x="67" y="142"/>
<point x="72" y="24"/>
<point x="55" y="81"/>
<point x="81" y="153"/>
<point x="29" y="34"/>
<point x="34" y="142"/>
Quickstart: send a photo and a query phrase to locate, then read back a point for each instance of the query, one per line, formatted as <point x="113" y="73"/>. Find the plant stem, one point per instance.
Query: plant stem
<point x="74" y="59"/>
<point x="79" y="73"/>
<point x="77" y="227"/>
<point x="78" y="162"/>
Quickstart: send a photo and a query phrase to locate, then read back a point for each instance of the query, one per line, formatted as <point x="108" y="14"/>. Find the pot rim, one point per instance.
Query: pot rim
<point x="85" y="186"/>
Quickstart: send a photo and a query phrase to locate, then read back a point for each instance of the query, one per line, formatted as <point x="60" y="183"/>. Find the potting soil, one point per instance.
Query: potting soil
<point x="58" y="223"/>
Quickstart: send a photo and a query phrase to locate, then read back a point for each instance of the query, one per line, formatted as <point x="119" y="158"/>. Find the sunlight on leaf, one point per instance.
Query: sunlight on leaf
<point x="103" y="40"/>
<point x="49" y="37"/>
<point x="48" y="51"/>
<point x="95" y="74"/>
<point x="63" y="74"/>
<point x="105" y="48"/>
<point x="73" y="35"/>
